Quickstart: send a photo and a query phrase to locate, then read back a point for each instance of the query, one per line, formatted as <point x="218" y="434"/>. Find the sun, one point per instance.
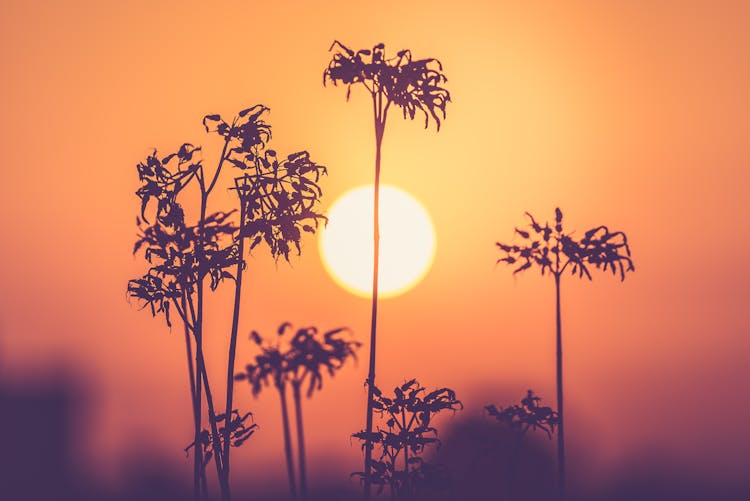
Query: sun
<point x="407" y="241"/>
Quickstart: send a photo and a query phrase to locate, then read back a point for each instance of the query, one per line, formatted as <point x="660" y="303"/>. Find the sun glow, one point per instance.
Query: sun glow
<point x="407" y="241"/>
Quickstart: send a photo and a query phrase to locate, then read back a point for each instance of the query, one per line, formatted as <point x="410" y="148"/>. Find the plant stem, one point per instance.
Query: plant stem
<point x="188" y="350"/>
<point x="198" y="466"/>
<point x="300" y="440"/>
<point x="233" y="343"/>
<point x="379" y="130"/>
<point x="287" y="440"/>
<point x="198" y="332"/>
<point x="199" y="471"/>
<point x="214" y="431"/>
<point x="560" y="434"/>
<point x="405" y="431"/>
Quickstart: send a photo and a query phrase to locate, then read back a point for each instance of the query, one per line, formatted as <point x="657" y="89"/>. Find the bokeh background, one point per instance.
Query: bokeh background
<point x="633" y="114"/>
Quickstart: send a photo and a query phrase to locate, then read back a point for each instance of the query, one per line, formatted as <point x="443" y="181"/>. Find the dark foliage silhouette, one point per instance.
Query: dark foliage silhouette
<point x="519" y="419"/>
<point x="277" y="201"/>
<point x="409" y="84"/>
<point x="529" y="414"/>
<point x="554" y="251"/>
<point x="239" y="431"/>
<point x="301" y="361"/>
<point x="407" y="416"/>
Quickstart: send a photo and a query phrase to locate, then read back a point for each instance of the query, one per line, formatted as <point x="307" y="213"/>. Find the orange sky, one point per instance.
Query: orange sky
<point x="635" y="116"/>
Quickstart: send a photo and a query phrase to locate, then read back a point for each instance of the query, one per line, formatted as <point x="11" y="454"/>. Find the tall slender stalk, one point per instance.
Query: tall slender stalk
<point x="198" y="330"/>
<point x="411" y="85"/>
<point x="198" y="461"/>
<point x="233" y="343"/>
<point x="379" y="116"/>
<point x="553" y="251"/>
<point x="559" y="356"/>
<point x="281" y="387"/>
<point x="301" y="460"/>
<point x="199" y="469"/>
<point x="404" y="429"/>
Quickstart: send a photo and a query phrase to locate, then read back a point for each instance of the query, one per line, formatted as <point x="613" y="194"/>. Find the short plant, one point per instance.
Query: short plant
<point x="406" y="83"/>
<point x="554" y="251"/>
<point x="302" y="360"/>
<point x="407" y="416"/>
<point x="519" y="419"/>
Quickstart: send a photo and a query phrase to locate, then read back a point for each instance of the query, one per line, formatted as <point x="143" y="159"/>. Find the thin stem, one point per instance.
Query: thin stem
<point x="199" y="472"/>
<point x="379" y="130"/>
<point x="198" y="332"/>
<point x="233" y="342"/>
<point x="221" y="162"/>
<point x="300" y="440"/>
<point x="560" y="433"/>
<point x="181" y="311"/>
<point x="198" y="324"/>
<point x="214" y="432"/>
<point x="198" y="467"/>
<point x="191" y="374"/>
<point x="287" y="440"/>
<point x="405" y="431"/>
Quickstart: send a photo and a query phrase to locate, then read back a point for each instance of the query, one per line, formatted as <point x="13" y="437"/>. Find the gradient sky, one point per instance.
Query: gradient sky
<point x="633" y="115"/>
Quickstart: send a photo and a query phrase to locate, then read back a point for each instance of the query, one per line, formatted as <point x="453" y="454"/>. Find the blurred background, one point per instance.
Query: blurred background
<point x="634" y="115"/>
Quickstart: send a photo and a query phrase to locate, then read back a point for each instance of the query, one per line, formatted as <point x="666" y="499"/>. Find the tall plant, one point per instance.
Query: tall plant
<point x="411" y="85"/>
<point x="553" y="251"/>
<point x="277" y="200"/>
<point x="181" y="257"/>
<point x="302" y="360"/>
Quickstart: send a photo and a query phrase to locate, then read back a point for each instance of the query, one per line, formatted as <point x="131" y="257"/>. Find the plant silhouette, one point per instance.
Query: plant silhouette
<point x="303" y="359"/>
<point x="519" y="419"/>
<point x="239" y="431"/>
<point x="277" y="199"/>
<point x="553" y="251"/>
<point x="408" y="416"/>
<point x="181" y="257"/>
<point x="406" y="83"/>
<point x="529" y="414"/>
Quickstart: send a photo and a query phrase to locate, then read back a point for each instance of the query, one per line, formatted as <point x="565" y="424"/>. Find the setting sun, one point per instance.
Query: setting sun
<point x="407" y="241"/>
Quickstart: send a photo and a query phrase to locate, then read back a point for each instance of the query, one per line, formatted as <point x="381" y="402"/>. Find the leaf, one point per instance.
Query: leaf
<point x="525" y="266"/>
<point x="257" y="240"/>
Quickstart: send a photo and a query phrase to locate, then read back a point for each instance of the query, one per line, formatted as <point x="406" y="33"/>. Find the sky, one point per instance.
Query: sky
<point x="630" y="114"/>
